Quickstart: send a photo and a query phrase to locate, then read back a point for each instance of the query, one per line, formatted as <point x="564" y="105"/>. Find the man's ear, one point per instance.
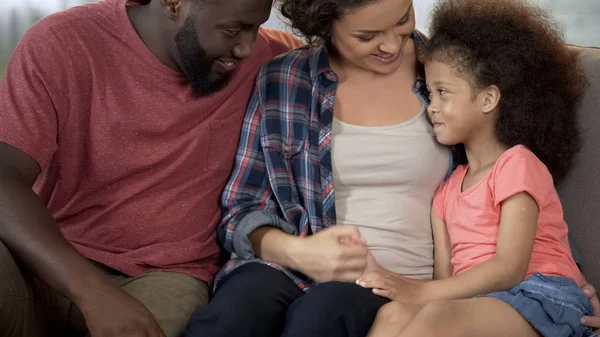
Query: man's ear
<point x="176" y="10"/>
<point x="491" y="98"/>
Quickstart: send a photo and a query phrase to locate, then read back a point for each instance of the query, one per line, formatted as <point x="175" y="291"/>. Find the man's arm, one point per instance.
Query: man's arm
<point x="34" y="96"/>
<point x="32" y="236"/>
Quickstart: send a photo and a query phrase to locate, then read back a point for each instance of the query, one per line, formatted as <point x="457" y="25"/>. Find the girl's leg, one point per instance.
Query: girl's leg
<point x="392" y="318"/>
<point x="475" y="317"/>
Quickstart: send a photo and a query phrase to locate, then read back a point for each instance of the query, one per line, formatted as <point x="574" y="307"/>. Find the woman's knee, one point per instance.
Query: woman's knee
<point x="257" y="293"/>
<point x="333" y="309"/>
<point x="329" y="296"/>
<point x="336" y="299"/>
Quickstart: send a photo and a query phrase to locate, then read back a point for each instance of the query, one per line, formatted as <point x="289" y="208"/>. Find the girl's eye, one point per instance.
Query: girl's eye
<point x="442" y="92"/>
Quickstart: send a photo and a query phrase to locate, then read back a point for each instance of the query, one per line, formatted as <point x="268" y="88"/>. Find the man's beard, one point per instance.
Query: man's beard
<point x="195" y="62"/>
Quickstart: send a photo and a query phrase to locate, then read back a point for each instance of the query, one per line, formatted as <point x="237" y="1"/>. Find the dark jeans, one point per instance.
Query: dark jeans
<point x="258" y="301"/>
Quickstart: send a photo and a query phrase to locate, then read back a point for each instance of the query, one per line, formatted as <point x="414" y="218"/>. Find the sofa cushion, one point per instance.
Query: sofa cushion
<point x="580" y="192"/>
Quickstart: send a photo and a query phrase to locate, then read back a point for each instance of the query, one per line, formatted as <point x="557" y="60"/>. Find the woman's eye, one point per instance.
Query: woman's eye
<point x="365" y="38"/>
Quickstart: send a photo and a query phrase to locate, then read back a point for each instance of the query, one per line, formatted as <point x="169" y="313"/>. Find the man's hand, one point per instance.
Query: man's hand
<point x="114" y="313"/>
<point x="592" y="321"/>
<point x="333" y="254"/>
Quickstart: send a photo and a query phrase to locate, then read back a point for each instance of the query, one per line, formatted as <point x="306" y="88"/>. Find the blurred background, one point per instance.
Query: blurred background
<point x="578" y="17"/>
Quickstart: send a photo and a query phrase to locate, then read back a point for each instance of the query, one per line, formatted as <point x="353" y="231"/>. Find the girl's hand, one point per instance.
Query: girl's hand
<point x="391" y="286"/>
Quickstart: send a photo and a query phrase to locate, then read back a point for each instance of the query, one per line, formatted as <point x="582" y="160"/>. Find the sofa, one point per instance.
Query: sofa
<point x="580" y="192"/>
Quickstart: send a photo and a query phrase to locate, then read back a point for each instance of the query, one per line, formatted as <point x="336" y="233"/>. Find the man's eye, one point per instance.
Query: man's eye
<point x="233" y="32"/>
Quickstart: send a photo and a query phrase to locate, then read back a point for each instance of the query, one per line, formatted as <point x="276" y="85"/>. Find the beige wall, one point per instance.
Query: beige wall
<point x="580" y="17"/>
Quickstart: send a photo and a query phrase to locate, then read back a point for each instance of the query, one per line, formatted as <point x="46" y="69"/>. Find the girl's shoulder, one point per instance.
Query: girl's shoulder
<point x="519" y="156"/>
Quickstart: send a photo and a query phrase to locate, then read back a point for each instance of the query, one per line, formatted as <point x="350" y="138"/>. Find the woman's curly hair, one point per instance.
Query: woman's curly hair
<point x="519" y="48"/>
<point x="313" y="18"/>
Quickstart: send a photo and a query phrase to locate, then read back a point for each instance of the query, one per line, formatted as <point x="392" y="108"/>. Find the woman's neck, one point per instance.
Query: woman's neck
<point x="347" y="70"/>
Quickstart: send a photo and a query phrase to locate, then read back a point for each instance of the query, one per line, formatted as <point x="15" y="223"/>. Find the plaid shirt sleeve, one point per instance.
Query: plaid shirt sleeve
<point x="248" y="202"/>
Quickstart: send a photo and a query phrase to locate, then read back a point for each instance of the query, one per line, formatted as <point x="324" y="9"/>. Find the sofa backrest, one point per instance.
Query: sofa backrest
<point x="580" y="192"/>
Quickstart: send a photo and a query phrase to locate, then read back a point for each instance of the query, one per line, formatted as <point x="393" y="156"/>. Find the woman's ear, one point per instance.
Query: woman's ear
<point x="491" y="98"/>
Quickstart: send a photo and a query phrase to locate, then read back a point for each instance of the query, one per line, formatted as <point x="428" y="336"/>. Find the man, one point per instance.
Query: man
<point x="118" y="129"/>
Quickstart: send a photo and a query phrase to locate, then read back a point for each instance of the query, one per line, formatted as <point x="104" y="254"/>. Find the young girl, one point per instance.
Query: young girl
<point x="504" y="90"/>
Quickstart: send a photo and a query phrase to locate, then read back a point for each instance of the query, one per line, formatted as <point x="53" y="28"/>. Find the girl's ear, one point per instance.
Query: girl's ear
<point x="491" y="98"/>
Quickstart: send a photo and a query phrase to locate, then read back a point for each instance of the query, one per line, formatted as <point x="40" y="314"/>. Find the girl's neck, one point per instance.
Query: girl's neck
<point x="483" y="154"/>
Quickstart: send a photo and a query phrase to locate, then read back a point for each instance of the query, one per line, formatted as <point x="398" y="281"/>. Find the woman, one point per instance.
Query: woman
<point x="347" y="112"/>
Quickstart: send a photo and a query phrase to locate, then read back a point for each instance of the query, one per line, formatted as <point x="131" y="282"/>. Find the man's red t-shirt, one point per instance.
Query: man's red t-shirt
<point x="133" y="165"/>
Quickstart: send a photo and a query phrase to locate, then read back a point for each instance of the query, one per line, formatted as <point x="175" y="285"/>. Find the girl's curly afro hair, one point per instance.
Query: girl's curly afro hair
<point x="516" y="46"/>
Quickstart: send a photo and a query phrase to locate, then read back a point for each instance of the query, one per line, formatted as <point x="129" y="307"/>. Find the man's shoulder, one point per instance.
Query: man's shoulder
<point x="76" y="23"/>
<point x="79" y="16"/>
<point x="279" y="41"/>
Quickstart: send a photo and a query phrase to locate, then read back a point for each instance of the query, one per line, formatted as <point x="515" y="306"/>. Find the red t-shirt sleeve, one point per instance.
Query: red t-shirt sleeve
<point x="281" y="41"/>
<point x="32" y="93"/>
<point x="519" y="170"/>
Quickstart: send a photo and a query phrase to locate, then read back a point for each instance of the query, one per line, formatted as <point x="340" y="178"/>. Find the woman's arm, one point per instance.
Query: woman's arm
<point x="323" y="256"/>
<point x="248" y="202"/>
<point x="442" y="268"/>
<point x="251" y="226"/>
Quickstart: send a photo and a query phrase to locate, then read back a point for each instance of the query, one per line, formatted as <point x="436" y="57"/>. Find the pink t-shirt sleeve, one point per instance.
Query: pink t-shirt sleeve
<point x="519" y="170"/>
<point x="439" y="201"/>
<point x="31" y="94"/>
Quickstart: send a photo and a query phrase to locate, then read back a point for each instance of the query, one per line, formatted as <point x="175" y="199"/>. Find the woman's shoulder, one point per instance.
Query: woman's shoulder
<point x="294" y="63"/>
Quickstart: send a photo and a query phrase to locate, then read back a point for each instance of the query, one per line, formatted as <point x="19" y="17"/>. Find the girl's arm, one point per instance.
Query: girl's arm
<point x="442" y="268"/>
<point x="518" y="225"/>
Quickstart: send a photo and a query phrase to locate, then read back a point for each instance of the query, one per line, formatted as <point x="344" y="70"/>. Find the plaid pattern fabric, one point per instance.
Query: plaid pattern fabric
<point x="283" y="165"/>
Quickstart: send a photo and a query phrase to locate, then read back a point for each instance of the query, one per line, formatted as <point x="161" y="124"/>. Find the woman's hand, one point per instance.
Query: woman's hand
<point x="333" y="254"/>
<point x="372" y="264"/>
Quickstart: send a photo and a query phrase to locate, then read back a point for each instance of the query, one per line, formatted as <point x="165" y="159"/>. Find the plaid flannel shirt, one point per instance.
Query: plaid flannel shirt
<point x="282" y="175"/>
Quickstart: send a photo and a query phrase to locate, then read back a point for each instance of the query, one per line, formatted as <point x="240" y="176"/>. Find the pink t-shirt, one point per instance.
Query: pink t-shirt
<point x="472" y="217"/>
<point x="133" y="165"/>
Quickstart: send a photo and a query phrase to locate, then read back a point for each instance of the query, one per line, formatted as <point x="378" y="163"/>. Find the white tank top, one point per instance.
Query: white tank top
<point x="385" y="178"/>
